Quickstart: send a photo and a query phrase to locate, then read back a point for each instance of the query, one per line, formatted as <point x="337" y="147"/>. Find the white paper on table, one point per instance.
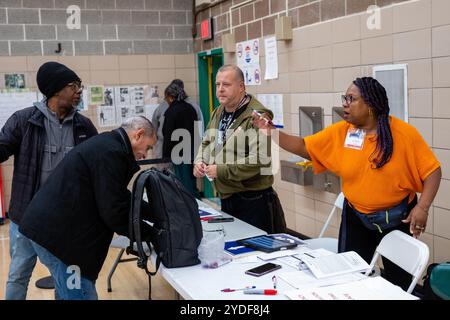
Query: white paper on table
<point x="375" y="288"/>
<point x="246" y="259"/>
<point x="305" y="279"/>
<point x="293" y="262"/>
<point x="336" y="264"/>
<point x="276" y="254"/>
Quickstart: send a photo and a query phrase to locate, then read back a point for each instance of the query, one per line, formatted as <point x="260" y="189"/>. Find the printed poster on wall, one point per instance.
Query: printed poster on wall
<point x="122" y="96"/>
<point x="11" y="102"/>
<point x="96" y="95"/>
<point x="247" y="55"/>
<point x="270" y="45"/>
<point x="274" y="102"/>
<point x="84" y="102"/>
<point x="106" y="116"/>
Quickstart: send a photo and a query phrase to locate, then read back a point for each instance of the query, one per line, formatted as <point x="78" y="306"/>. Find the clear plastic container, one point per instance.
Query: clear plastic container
<point x="211" y="249"/>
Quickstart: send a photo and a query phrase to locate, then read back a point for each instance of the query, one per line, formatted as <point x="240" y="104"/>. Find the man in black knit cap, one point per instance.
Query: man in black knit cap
<point x="39" y="137"/>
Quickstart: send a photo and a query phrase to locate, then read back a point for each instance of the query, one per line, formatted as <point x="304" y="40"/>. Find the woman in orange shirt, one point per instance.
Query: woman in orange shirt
<point x="382" y="162"/>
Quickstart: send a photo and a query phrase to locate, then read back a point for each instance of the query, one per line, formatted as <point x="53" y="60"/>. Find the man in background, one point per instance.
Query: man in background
<point x="39" y="137"/>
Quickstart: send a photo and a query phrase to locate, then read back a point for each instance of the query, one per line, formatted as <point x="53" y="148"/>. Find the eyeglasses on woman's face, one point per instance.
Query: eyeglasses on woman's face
<point x="347" y="99"/>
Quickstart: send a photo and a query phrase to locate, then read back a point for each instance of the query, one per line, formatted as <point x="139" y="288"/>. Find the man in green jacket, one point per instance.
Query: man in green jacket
<point x="236" y="157"/>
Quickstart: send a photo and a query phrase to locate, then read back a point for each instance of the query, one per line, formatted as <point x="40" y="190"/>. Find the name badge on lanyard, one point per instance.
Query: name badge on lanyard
<point x="355" y="138"/>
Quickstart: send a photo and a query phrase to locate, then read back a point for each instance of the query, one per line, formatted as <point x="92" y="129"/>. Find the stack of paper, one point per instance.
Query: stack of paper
<point x="375" y="288"/>
<point x="304" y="280"/>
<point x="335" y="264"/>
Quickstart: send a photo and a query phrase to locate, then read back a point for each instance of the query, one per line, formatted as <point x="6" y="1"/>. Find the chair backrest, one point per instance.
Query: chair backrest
<point x="338" y="204"/>
<point x="406" y="252"/>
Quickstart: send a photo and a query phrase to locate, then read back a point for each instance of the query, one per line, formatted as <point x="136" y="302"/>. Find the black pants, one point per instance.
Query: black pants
<point x="354" y="236"/>
<point x="251" y="207"/>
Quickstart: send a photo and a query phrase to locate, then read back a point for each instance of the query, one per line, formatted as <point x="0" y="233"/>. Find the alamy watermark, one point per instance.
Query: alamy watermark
<point x="243" y="147"/>
<point x="73" y="281"/>
<point x="74" y="19"/>
<point x="374" y="19"/>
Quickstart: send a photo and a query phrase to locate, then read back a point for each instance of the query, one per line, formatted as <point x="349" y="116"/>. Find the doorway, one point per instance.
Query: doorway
<point x="208" y="63"/>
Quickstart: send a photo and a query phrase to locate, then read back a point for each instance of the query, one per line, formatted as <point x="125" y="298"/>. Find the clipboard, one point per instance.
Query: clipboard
<point x="267" y="243"/>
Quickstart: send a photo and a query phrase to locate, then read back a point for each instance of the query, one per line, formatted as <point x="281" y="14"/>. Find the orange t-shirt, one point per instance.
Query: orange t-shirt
<point x="369" y="189"/>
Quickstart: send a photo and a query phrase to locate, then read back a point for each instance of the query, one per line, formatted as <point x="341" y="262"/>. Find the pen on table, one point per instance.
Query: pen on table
<point x="267" y="292"/>
<point x="274" y="280"/>
<point x="240" y="289"/>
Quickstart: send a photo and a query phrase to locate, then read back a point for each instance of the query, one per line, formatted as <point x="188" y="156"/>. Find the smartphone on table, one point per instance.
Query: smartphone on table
<point x="263" y="269"/>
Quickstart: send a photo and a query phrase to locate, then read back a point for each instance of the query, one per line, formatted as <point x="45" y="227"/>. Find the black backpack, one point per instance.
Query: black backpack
<point x="174" y="222"/>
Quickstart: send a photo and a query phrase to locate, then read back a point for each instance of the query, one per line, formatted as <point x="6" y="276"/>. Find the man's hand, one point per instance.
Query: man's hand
<point x="211" y="171"/>
<point x="199" y="170"/>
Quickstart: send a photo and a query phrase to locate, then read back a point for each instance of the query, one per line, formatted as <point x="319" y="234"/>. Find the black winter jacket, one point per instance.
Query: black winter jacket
<point x="23" y="136"/>
<point x="84" y="201"/>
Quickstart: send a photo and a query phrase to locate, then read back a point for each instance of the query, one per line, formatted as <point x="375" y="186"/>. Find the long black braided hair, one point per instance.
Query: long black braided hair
<point x="374" y="94"/>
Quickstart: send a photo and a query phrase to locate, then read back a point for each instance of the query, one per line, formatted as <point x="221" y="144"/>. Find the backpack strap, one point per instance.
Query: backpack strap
<point x="135" y="214"/>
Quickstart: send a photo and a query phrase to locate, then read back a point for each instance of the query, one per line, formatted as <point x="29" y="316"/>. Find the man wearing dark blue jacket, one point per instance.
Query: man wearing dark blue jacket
<point x="39" y="137"/>
<point x="73" y="217"/>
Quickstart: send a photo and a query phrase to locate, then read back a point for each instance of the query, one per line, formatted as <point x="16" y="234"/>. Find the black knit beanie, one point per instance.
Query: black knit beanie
<point x="53" y="76"/>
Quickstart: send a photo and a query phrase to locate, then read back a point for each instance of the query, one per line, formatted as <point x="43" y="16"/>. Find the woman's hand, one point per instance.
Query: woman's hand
<point x="417" y="220"/>
<point x="263" y="122"/>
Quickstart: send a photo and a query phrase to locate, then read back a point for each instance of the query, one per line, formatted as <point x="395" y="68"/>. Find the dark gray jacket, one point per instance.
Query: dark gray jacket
<point x="23" y="136"/>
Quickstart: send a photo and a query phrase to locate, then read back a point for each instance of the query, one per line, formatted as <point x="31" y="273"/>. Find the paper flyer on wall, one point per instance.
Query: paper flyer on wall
<point x="106" y="116"/>
<point x="125" y="112"/>
<point x="137" y="96"/>
<point x="96" y="95"/>
<point x="247" y="55"/>
<point x="270" y="45"/>
<point x="122" y="96"/>
<point x="108" y="96"/>
<point x="274" y="102"/>
<point x="83" y="105"/>
<point x="150" y="110"/>
<point x="151" y="95"/>
<point x="14" y="101"/>
<point x="15" y="81"/>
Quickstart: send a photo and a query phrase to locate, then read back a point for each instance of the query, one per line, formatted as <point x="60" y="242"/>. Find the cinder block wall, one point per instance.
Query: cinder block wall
<point x="35" y="27"/>
<point x="257" y="18"/>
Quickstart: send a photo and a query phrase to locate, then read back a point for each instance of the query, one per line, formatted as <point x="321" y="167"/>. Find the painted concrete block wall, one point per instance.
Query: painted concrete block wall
<point x="107" y="27"/>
